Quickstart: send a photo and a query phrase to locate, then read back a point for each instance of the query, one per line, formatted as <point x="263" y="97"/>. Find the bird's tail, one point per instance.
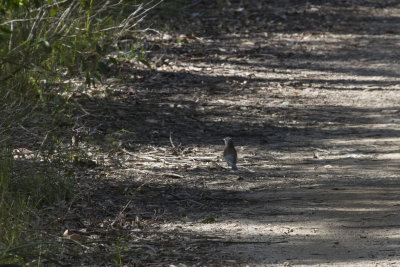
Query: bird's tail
<point x="234" y="167"/>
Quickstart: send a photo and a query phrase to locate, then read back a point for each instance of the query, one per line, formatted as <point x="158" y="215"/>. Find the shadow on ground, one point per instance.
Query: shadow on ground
<point x="311" y="103"/>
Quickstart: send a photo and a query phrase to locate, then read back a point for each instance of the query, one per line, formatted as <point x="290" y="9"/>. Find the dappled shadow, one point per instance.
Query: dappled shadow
<point x="316" y="136"/>
<point x="345" y="17"/>
<point x="198" y="112"/>
<point x="303" y="224"/>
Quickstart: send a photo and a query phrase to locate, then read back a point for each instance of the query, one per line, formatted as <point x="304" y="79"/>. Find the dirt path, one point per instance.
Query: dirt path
<point x="309" y="94"/>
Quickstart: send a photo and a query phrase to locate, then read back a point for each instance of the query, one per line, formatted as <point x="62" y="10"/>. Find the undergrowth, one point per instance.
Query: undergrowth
<point x="43" y="44"/>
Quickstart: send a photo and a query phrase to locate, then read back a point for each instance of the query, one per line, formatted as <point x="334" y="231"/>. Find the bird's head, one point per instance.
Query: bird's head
<point x="228" y="141"/>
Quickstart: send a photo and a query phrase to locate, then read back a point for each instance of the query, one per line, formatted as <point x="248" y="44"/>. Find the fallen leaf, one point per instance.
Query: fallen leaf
<point x="75" y="237"/>
<point x="208" y="220"/>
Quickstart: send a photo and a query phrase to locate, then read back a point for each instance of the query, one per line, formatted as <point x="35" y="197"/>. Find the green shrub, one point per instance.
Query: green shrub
<point x="42" y="42"/>
<point x="14" y="215"/>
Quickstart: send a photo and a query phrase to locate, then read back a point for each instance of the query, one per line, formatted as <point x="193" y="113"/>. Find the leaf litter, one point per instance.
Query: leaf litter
<point x="290" y="84"/>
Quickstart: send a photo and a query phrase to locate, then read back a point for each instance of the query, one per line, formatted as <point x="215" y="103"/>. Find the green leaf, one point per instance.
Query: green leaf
<point x="88" y="80"/>
<point x="208" y="220"/>
<point x="145" y="62"/>
<point x="4" y="29"/>
<point x="53" y="12"/>
<point x="97" y="76"/>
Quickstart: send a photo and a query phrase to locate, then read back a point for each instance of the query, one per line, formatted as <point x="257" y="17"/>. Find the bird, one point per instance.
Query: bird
<point x="230" y="154"/>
